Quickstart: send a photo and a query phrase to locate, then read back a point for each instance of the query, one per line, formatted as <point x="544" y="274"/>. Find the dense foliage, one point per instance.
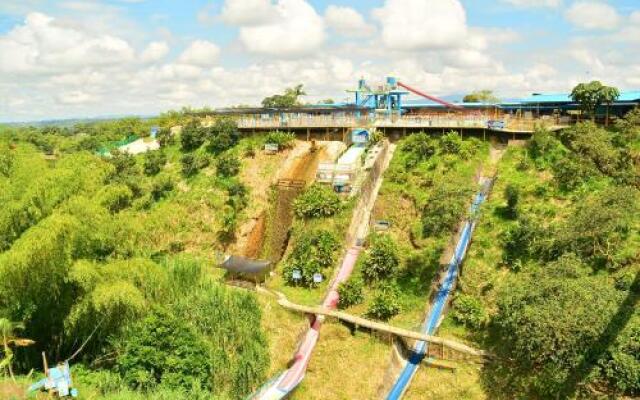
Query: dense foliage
<point x="350" y="293"/>
<point x="313" y="253"/>
<point x="385" y="303"/>
<point x="90" y="250"/>
<point x="317" y="201"/>
<point x="381" y="260"/>
<point x="566" y="315"/>
<point x="283" y="140"/>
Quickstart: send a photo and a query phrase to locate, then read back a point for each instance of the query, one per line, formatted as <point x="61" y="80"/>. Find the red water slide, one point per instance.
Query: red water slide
<point x="432" y="98"/>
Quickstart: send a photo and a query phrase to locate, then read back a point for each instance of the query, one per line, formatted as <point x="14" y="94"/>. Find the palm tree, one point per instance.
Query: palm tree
<point x="7" y="331"/>
<point x="609" y="94"/>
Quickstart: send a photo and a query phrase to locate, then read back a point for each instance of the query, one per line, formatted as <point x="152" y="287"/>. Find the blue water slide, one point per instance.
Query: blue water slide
<point x="433" y="317"/>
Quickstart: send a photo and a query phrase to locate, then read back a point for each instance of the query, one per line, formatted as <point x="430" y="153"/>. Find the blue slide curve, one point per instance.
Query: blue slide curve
<point x="433" y="317"/>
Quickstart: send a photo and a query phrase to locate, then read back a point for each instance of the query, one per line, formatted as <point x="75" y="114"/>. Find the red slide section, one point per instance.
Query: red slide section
<point x="437" y="100"/>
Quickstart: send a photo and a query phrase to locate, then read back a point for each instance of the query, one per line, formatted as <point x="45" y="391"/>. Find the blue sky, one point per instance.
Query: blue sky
<point x="74" y="58"/>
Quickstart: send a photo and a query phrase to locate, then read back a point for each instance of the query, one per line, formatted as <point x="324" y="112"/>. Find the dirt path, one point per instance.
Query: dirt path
<point x="301" y="166"/>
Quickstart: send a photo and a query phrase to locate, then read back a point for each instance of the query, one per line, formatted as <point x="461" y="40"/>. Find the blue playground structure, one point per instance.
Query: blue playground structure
<point x="57" y="381"/>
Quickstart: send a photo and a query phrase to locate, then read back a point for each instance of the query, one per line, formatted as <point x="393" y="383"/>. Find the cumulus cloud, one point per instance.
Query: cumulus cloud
<point x="283" y="28"/>
<point x="534" y="3"/>
<point x="155" y="51"/>
<point x="593" y="15"/>
<point x="200" y="52"/>
<point x="422" y="24"/>
<point x="44" y="45"/>
<point x="248" y="12"/>
<point x="347" y="21"/>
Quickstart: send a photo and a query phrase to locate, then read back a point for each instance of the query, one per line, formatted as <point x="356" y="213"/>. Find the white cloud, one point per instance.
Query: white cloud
<point x="248" y="12"/>
<point x="200" y="52"/>
<point x="284" y="28"/>
<point x="347" y="21"/>
<point x="75" y="97"/>
<point x="422" y="24"/>
<point x="534" y="3"/>
<point x="155" y="51"/>
<point x="43" y="45"/>
<point x="593" y="15"/>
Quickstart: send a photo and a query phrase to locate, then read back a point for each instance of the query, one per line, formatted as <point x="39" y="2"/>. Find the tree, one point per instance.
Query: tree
<point x="223" y="135"/>
<point x="350" y="293"/>
<point x="153" y="162"/>
<point x="481" y="96"/>
<point x="286" y="100"/>
<point x="192" y="136"/>
<point x="317" y="201"/>
<point x="549" y="327"/>
<point x="8" y="330"/>
<point x="512" y="194"/>
<point x="227" y="165"/>
<point x="313" y="252"/>
<point x="165" y="349"/>
<point x="609" y="95"/>
<point x="593" y="94"/>
<point x="382" y="260"/>
<point x="386" y="303"/>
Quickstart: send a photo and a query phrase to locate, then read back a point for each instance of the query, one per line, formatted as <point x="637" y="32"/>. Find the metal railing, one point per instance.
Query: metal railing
<point x="407" y="121"/>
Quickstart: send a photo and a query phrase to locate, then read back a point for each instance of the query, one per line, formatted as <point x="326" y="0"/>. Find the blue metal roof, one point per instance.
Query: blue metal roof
<point x="630" y="96"/>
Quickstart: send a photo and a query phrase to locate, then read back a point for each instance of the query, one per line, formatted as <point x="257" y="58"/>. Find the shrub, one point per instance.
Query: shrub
<point x="418" y="147"/>
<point x="227" y="233"/>
<point x="451" y="143"/>
<point x="314" y="251"/>
<point x="546" y="342"/>
<point x="192" y="163"/>
<point x="512" y="194"/>
<point x="469" y="311"/>
<point x="317" y="201"/>
<point x="161" y="187"/>
<point x="153" y="162"/>
<point x="382" y="260"/>
<point x="7" y="159"/>
<point x="443" y="210"/>
<point x="192" y="136"/>
<point x="284" y="140"/>
<point x="124" y="165"/>
<point x="223" y="135"/>
<point x="238" y="195"/>
<point x="163" y="349"/>
<point x="386" y="303"/>
<point x="350" y="293"/>
<point x="227" y="165"/>
<point x="116" y="198"/>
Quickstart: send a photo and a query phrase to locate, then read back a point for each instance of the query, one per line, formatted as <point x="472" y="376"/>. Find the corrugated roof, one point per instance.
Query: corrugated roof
<point x="630" y="96"/>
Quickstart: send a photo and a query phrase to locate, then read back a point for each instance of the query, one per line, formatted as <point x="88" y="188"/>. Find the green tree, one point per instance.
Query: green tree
<point x="350" y="293"/>
<point x="469" y="311"/>
<point x="512" y="194"/>
<point x="223" y="135"/>
<point x="163" y="349"/>
<point x="382" y="260"/>
<point x="313" y="253"/>
<point x="286" y="100"/>
<point x="153" y="162"/>
<point x="545" y="342"/>
<point x="317" y="201"/>
<point x="591" y="95"/>
<point x="227" y="165"/>
<point x="481" y="96"/>
<point x="193" y="135"/>
<point x="386" y="302"/>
